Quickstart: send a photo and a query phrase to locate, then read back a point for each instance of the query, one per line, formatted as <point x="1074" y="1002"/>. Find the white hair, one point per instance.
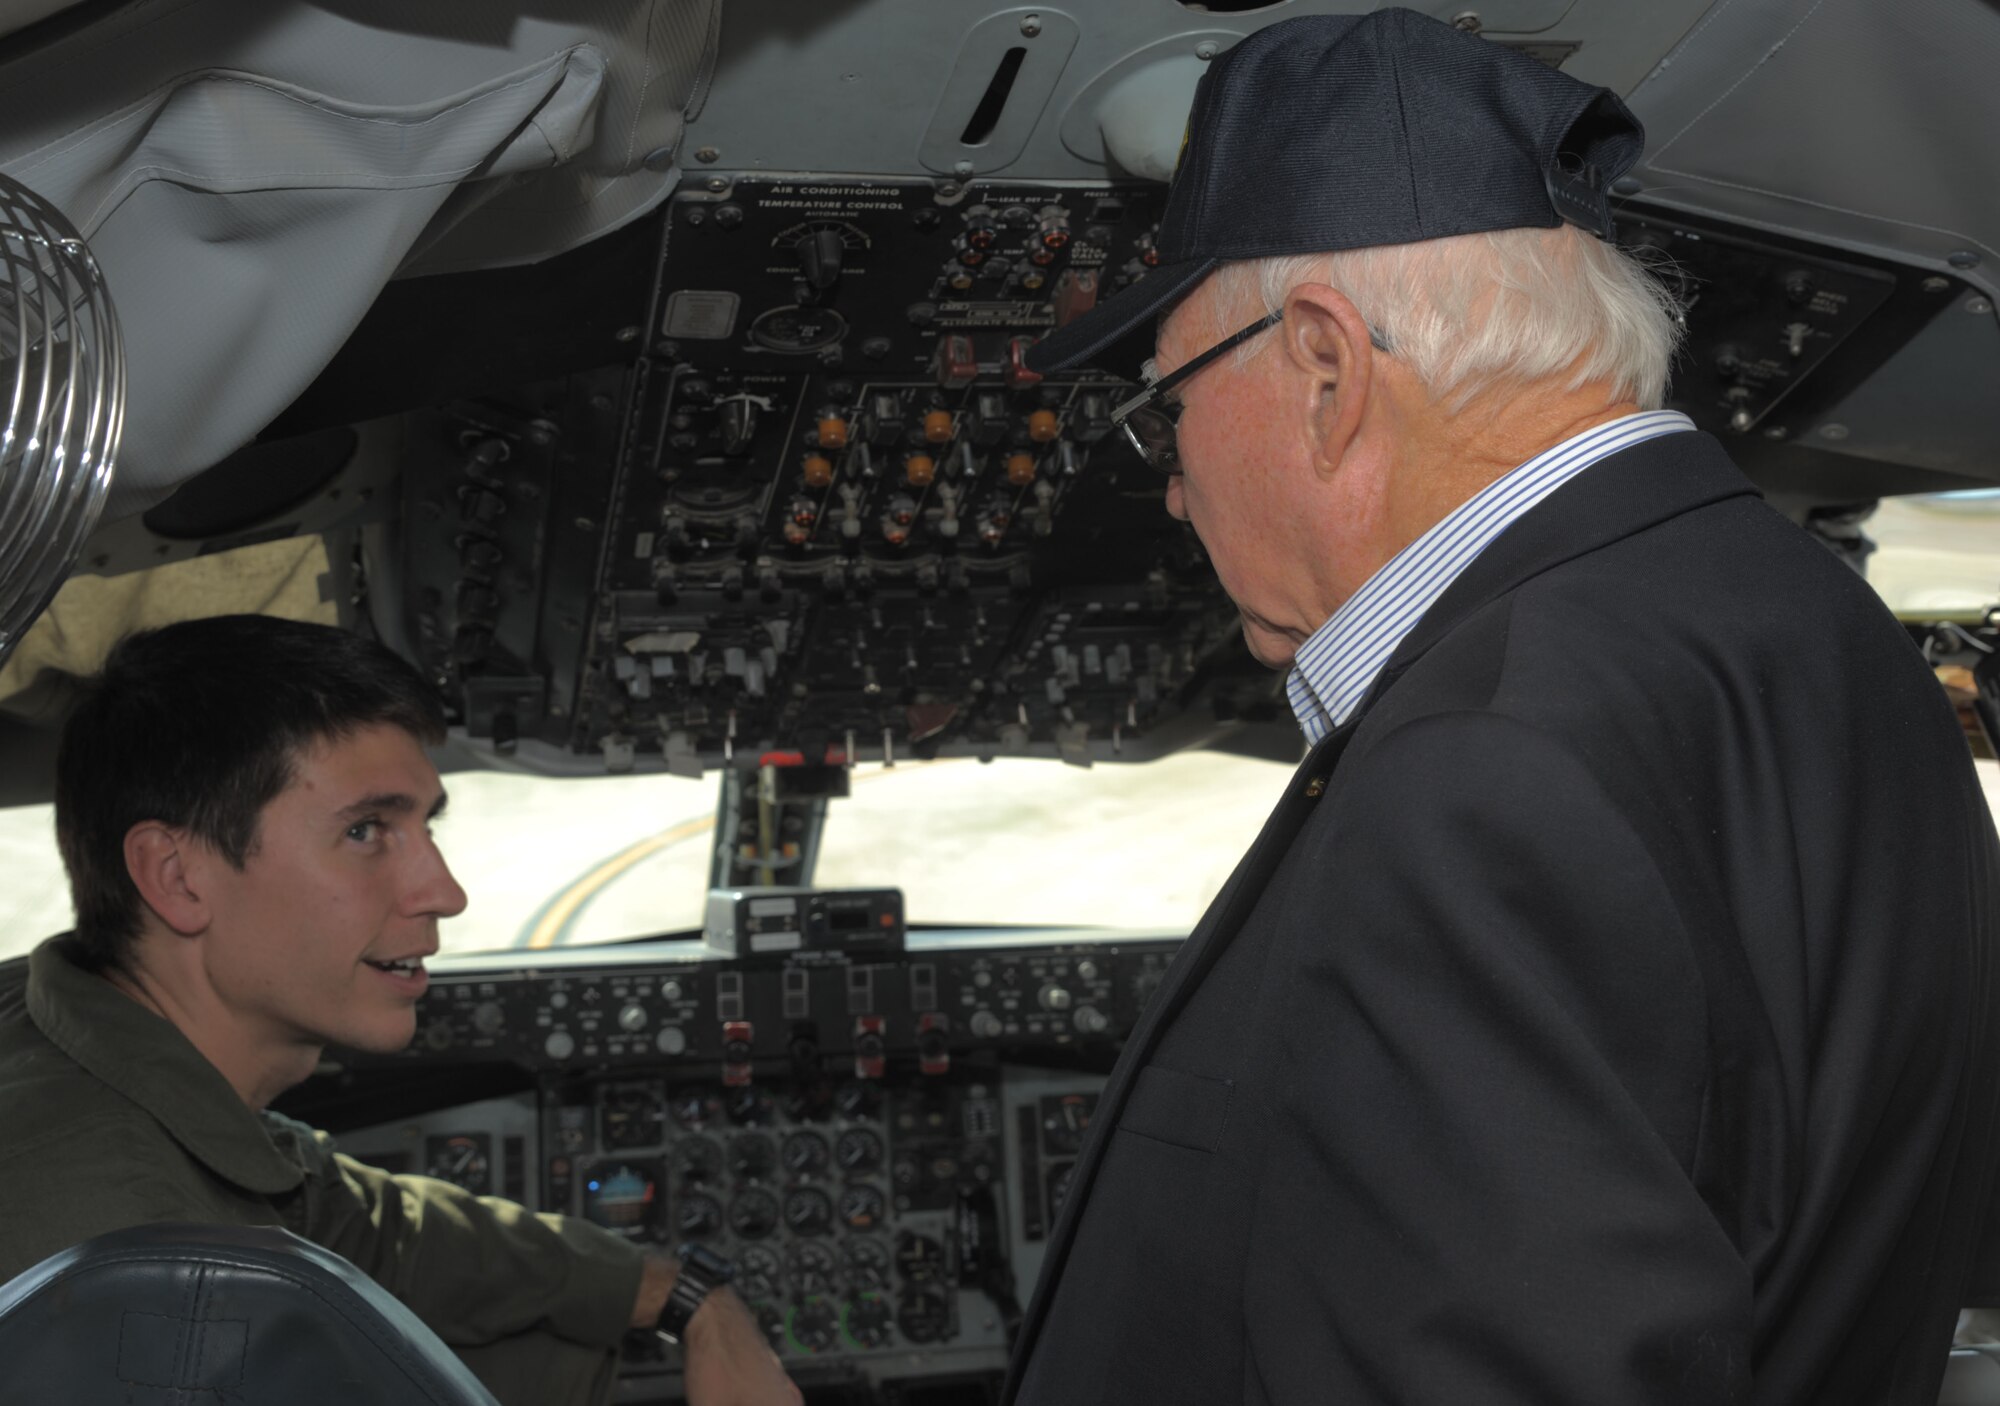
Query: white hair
<point x="1472" y="312"/>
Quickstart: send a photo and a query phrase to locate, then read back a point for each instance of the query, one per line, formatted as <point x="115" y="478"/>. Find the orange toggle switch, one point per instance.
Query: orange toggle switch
<point x="937" y="426"/>
<point x="1043" y="426"/>
<point x="833" y="433"/>
<point x="819" y="469"/>
<point x="1021" y="469"/>
<point x="920" y="469"/>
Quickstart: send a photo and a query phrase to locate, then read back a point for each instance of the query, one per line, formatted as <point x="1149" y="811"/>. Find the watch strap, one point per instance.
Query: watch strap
<point x="702" y="1272"/>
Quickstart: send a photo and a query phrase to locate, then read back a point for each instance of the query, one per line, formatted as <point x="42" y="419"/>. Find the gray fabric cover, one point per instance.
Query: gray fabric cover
<point x="250" y="174"/>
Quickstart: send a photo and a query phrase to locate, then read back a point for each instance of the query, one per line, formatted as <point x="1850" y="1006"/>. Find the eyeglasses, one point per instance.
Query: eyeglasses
<point x="1151" y="421"/>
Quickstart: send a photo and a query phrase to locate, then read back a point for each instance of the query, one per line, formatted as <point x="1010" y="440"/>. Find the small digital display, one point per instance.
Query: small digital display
<point x="847" y="919"/>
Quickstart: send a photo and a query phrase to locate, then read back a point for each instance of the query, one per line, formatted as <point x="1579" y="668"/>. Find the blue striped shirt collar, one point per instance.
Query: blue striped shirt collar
<point x="1338" y="664"/>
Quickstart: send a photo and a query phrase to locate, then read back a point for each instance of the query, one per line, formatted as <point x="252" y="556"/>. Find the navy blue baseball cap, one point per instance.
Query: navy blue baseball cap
<point x="1335" y="132"/>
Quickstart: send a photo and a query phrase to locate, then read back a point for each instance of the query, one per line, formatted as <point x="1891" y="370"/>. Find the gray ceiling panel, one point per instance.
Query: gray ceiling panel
<point x="1930" y="405"/>
<point x="1851" y="121"/>
<point x="881" y="87"/>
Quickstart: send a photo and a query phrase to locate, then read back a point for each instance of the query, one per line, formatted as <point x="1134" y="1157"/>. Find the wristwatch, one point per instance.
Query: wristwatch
<point x="702" y="1272"/>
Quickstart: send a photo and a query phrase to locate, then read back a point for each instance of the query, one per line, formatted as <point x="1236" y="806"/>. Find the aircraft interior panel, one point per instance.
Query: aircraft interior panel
<point x="879" y="1140"/>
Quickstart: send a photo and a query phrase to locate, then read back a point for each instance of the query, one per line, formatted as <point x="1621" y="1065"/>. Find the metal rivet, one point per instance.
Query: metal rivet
<point x="1031" y="25"/>
<point x="1468" y="21"/>
<point x="659" y="159"/>
<point x="1776" y="432"/>
<point x="1979" y="306"/>
<point x="1833" y="432"/>
<point x="1962" y="259"/>
<point x="627" y="334"/>
<point x="1935" y="284"/>
<point x="961" y="169"/>
<point x="718" y="183"/>
<point x="1627" y="185"/>
<point x="708" y="156"/>
<point x="1206" y="49"/>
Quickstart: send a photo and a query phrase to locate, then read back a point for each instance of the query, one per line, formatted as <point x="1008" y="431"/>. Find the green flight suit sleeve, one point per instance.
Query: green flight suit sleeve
<point x="475" y="1268"/>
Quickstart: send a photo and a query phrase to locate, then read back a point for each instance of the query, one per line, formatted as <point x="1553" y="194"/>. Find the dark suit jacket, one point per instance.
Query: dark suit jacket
<point x="1603" y="1018"/>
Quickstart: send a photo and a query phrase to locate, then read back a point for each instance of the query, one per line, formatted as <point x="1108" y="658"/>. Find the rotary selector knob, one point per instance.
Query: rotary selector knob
<point x="560" y="1044"/>
<point x="487" y="1017"/>
<point x="438" y="1036"/>
<point x="1090" y="1020"/>
<point x="1054" y="997"/>
<point x="671" y="1040"/>
<point x="1086" y="970"/>
<point x="985" y="1025"/>
<point x="632" y="1018"/>
<point x="670" y="991"/>
<point x="819" y="256"/>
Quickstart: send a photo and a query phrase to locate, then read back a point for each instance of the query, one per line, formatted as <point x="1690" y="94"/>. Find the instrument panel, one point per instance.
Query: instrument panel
<point x="825" y="512"/>
<point x="880" y="1145"/>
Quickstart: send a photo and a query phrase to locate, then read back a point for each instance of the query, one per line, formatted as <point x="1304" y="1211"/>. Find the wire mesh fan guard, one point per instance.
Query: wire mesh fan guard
<point x="62" y="384"/>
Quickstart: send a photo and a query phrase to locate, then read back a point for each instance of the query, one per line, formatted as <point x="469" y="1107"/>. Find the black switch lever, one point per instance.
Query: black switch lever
<point x="819" y="258"/>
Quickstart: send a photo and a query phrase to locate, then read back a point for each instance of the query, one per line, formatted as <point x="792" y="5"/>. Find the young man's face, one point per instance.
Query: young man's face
<point x="319" y="938"/>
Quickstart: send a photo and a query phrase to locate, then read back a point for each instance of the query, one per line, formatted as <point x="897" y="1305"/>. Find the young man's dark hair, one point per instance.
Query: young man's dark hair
<point x="196" y="725"/>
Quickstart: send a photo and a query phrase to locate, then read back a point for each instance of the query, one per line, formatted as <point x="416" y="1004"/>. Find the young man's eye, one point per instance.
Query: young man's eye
<point x="364" y="830"/>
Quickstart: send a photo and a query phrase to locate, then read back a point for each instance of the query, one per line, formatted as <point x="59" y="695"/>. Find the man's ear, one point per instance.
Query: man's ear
<point x="165" y="870"/>
<point x="1326" y="338"/>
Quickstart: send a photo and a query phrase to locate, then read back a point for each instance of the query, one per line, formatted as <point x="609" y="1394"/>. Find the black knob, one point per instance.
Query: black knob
<point x="737" y="422"/>
<point x="819" y="258"/>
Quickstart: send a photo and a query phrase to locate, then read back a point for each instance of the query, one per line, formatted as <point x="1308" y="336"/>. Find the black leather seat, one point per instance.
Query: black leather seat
<point x="195" y="1315"/>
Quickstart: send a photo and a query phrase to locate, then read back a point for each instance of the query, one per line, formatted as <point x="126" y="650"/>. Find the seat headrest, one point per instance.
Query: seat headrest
<point x="254" y="1315"/>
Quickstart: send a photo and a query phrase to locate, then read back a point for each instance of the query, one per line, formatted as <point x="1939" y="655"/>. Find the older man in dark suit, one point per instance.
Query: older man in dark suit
<point x="1605" y="1014"/>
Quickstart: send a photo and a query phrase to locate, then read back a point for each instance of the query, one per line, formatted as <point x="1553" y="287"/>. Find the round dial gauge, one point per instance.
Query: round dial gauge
<point x="862" y="1208"/>
<point x="866" y="1264"/>
<point x="754" y="1214"/>
<point x="812" y="1268"/>
<point x="858" y="1150"/>
<point x="697" y="1217"/>
<point x="460" y="1160"/>
<point x="867" y="1320"/>
<point x="697" y="1160"/>
<point x="808" y="1212"/>
<point x="759" y="1275"/>
<point x="749" y="1107"/>
<point x="751" y="1156"/>
<point x="923" y="1314"/>
<point x="806" y="1154"/>
<point x="815" y="1324"/>
<point x="858" y="1099"/>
